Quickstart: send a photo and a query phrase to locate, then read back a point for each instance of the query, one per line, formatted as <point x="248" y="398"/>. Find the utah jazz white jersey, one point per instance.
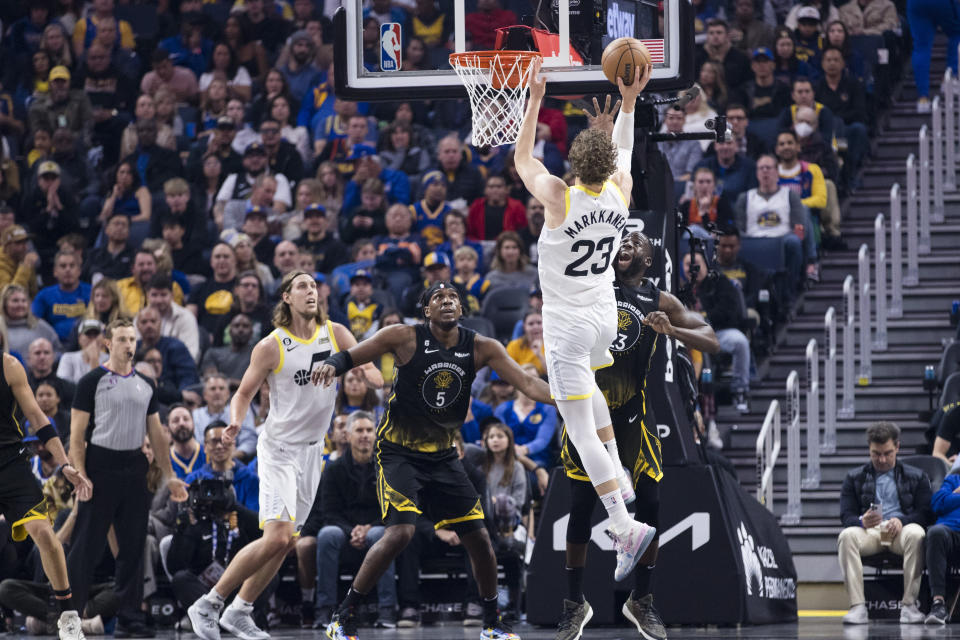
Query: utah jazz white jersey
<point x="299" y="411"/>
<point x="576" y="258"/>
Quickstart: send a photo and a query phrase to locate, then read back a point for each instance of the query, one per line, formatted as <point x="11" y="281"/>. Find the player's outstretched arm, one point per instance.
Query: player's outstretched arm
<point x="398" y="339"/>
<point x="345" y="341"/>
<point x="490" y="352"/>
<point x="689" y="327"/>
<point x="545" y="187"/>
<point x="623" y="133"/>
<point x="264" y="359"/>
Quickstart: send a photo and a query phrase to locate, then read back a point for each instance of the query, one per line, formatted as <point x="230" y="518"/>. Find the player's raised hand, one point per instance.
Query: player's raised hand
<point x="659" y="322"/>
<point x="324" y="375"/>
<point x="231" y="432"/>
<point x="630" y="92"/>
<point x="602" y="118"/>
<point x="538" y="84"/>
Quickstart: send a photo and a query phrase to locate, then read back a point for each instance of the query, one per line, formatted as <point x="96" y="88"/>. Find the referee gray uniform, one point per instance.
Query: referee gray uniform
<point x="118" y="407"/>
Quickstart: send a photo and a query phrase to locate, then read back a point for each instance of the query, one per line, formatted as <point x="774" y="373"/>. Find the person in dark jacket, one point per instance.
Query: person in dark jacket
<point x="352" y="520"/>
<point x="178" y="366"/>
<point x="155" y="164"/>
<point x="884" y="506"/>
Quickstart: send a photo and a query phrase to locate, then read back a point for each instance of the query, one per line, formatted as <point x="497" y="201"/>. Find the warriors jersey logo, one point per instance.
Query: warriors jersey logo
<point x="441" y="388"/>
<point x="628" y="330"/>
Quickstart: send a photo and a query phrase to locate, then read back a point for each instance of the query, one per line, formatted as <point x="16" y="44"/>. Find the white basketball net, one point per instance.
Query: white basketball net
<point x="497" y="107"/>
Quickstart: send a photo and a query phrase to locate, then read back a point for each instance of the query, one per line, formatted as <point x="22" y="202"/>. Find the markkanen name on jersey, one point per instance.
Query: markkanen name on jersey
<point x="606" y="216"/>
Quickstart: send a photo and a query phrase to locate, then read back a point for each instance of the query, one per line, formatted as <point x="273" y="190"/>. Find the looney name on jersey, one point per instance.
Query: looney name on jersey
<point x="603" y="216"/>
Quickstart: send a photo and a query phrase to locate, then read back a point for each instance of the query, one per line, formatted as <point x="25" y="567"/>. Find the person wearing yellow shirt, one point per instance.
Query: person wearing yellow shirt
<point x="133" y="290"/>
<point x="528" y="349"/>
<point x="101" y="17"/>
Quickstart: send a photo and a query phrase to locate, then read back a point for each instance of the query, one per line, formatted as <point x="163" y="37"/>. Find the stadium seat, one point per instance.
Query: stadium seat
<point x="481" y="325"/>
<point x="949" y="362"/>
<point x="951" y="389"/>
<point x="764" y="252"/>
<point x="935" y="468"/>
<point x="504" y="307"/>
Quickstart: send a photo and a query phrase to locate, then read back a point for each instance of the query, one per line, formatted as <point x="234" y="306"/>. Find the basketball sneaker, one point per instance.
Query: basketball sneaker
<point x="69" y="626"/>
<point x="205" y="618"/>
<point x="343" y="626"/>
<point x="643" y="614"/>
<point x="500" y="631"/>
<point x="630" y="545"/>
<point x="239" y="622"/>
<point x="575" y="617"/>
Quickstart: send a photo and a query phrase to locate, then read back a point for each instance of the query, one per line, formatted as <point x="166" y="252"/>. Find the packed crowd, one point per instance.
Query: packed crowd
<point x="176" y="178"/>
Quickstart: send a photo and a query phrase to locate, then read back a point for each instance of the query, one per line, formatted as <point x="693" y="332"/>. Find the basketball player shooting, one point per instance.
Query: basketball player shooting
<point x="580" y="238"/>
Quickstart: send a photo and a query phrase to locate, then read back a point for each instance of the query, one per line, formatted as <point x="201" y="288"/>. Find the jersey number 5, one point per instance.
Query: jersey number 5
<point x="605" y="247"/>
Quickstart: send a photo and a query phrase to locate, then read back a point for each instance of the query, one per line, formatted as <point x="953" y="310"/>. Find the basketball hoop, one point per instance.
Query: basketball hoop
<point x="496" y="82"/>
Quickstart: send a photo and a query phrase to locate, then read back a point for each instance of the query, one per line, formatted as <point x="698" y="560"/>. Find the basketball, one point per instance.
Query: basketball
<point x="622" y="57"/>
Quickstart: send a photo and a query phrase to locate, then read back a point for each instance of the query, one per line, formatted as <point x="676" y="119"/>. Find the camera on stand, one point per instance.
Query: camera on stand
<point x="211" y="498"/>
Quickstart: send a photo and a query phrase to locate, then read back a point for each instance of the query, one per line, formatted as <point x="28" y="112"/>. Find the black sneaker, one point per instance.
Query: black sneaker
<point x="409" y="618"/>
<point x="306" y="615"/>
<point x="742" y="400"/>
<point x="321" y="617"/>
<point x="133" y="629"/>
<point x="574" y="618"/>
<point x="343" y="626"/>
<point x="502" y="630"/>
<point x="643" y="614"/>
<point x="938" y="613"/>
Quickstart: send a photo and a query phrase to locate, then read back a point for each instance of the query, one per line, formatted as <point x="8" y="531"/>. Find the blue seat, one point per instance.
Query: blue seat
<point x="764" y="252"/>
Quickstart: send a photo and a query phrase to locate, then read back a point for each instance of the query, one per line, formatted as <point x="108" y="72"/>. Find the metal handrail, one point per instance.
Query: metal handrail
<point x="912" y="277"/>
<point x="768" y="450"/>
<point x="880" y="283"/>
<point x="924" y="142"/>
<point x="812" y="479"/>
<point x="950" y="125"/>
<point x="847" y="405"/>
<point x="863" y="257"/>
<point x="794" y="507"/>
<point x="895" y="310"/>
<point x="829" y="444"/>
<point x="937" y="215"/>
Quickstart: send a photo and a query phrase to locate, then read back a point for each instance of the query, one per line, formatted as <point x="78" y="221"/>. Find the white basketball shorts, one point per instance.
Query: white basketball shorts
<point x="289" y="479"/>
<point x="576" y="342"/>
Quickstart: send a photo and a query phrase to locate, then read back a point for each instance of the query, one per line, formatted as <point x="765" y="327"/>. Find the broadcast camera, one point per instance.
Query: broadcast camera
<point x="211" y="498"/>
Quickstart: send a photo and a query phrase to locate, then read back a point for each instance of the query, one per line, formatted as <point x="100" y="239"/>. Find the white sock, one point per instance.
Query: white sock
<point x="619" y="518"/>
<point x="240" y="603"/>
<point x="213" y="596"/>
<point x="611" y="447"/>
<point x="306" y="595"/>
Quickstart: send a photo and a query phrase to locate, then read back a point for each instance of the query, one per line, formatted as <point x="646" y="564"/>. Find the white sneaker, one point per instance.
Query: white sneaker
<point x="92" y="626"/>
<point x="630" y="546"/>
<point x="856" y="615"/>
<point x="910" y="614"/>
<point x="69" y="626"/>
<point x="923" y="105"/>
<point x="205" y="618"/>
<point x="625" y="482"/>
<point x="240" y="623"/>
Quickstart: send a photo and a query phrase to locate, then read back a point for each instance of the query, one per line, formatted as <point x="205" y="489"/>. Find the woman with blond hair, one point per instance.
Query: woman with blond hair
<point x="331" y="195"/>
<point x="19" y="323"/>
<point x="105" y="304"/>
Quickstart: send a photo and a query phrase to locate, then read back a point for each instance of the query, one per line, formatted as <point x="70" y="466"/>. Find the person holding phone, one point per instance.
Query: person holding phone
<point x="883" y="500"/>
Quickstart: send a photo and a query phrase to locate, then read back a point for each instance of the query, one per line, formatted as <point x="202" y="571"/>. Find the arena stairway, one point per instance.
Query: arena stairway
<point x="896" y="392"/>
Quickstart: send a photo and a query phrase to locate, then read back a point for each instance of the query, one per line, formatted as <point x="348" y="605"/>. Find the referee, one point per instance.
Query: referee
<point x="113" y="409"/>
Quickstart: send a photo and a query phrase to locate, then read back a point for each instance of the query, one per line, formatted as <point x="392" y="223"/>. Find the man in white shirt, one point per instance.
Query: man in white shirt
<point x="216" y="396"/>
<point x="237" y="190"/>
<point x="175" y="321"/>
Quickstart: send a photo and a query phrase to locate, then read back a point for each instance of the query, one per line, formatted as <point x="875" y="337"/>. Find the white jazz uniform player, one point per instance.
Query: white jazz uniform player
<point x="290" y="447"/>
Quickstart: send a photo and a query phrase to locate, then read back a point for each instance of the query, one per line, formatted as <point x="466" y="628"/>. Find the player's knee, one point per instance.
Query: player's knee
<point x="42" y="534"/>
<point x="398" y="536"/>
<point x="277" y="541"/>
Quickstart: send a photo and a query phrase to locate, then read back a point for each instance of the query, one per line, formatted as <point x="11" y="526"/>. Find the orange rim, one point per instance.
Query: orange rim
<point x="486" y="59"/>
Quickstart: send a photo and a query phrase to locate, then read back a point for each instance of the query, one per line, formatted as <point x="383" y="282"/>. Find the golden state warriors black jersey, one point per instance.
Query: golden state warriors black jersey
<point x="11" y="429"/>
<point x="431" y="393"/>
<point x="634" y="345"/>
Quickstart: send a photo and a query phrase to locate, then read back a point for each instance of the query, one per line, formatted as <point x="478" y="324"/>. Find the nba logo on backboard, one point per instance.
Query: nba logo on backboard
<point x="390" y="46"/>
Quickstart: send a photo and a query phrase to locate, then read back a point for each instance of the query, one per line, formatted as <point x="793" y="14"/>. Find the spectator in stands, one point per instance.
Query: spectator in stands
<point x="90" y="354"/>
<point x="465" y="260"/>
<point x="282" y="156"/>
<point x="494" y="213"/>
<point x="713" y="84"/>
<point x="40" y="361"/>
<point x="437" y="267"/>
<point x="681" y="155"/>
<point x="719" y="48"/>
<point x="214" y="297"/>
<point x="354" y="395"/>
<point x="719" y="299"/>
<point x="845" y="96"/>
<point x="61" y="304"/>
<point x="249" y="299"/>
<point x="178" y="202"/>
<point x="510" y="266"/>
<point x="145" y="108"/>
<point x="88" y="28"/>
<point x="455" y="234"/>
<point x="299" y="70"/>
<point x="216" y="396"/>
<point x="363" y="305"/>
<point x="114" y="258"/>
<point x="186" y="454"/>
<point x="104" y="302"/>
<point x="155" y="165"/>
<point x="431" y="210"/>
<point x="398" y="252"/>
<point x="223" y="462"/>
<point x="706" y="207"/>
<point x="772" y="210"/>
<point x="231" y="360"/>
<point x="396" y="184"/>
<point x="175" y="320"/>
<point x="747" y="32"/>
<point x="806" y="180"/>
<point x="869" y="17"/>
<point x="809" y="42"/>
<point x="883" y="499"/>
<point x="133" y="290"/>
<point x="749" y="277"/>
<point x="63" y="107"/>
<point x="530" y="234"/>
<point x="17" y="262"/>
<point x="924" y="16"/>
<point x="534" y="424"/>
<point x="218" y="144"/>
<point x="178" y="367"/>
<point x="941" y="544"/>
<point x="327" y="251"/>
<point x="947" y="430"/>
<point x="42" y="208"/>
<point x="787" y="66"/>
<point x="734" y="172"/>
<point x="803" y="96"/>
<point x="180" y="81"/>
<point x="528" y="348"/>
<point x="813" y="148"/>
<point x="368" y="219"/>
<point x="253" y="186"/>
<point x="351" y="515"/>
<point x="464" y="181"/>
<point x="765" y="96"/>
<point x="399" y="151"/>
<point x="482" y="24"/>
<point x="298" y="136"/>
